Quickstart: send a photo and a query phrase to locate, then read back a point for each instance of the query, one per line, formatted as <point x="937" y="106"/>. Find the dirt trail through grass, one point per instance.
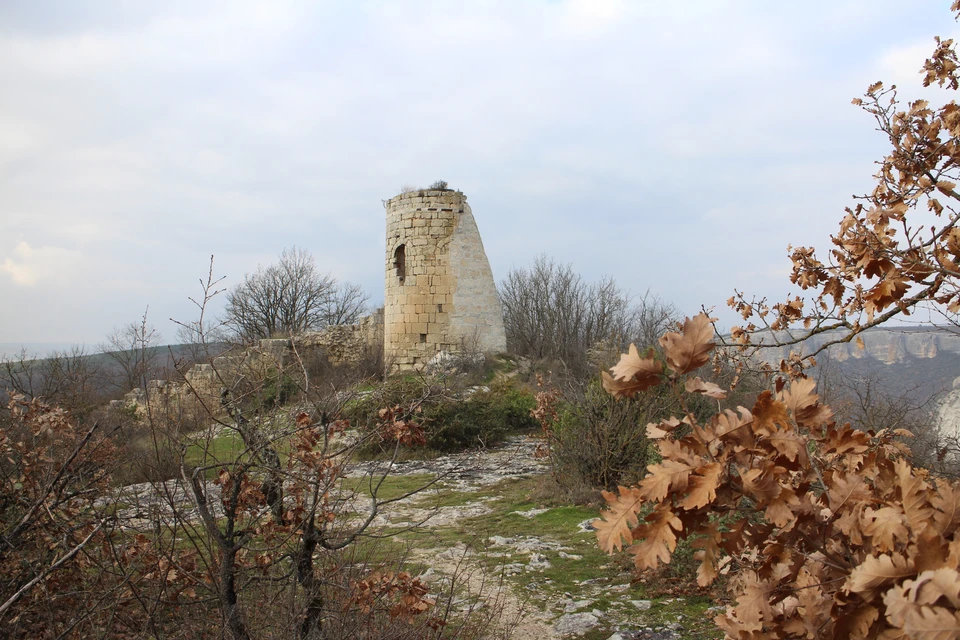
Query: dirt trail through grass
<point x="537" y="560"/>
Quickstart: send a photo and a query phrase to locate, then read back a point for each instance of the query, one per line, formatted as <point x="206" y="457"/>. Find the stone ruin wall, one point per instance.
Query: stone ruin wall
<point x="439" y="295"/>
<point x="344" y="344"/>
<point x="199" y="392"/>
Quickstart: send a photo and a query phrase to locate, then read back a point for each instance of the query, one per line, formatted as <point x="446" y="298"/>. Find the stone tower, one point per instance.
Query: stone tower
<point x="440" y="294"/>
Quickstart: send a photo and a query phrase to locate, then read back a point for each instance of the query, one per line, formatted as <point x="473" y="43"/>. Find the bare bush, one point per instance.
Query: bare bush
<point x="551" y="313"/>
<point x="70" y="379"/>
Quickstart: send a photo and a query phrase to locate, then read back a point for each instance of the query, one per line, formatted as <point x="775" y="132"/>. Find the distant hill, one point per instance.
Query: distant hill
<point x="107" y="372"/>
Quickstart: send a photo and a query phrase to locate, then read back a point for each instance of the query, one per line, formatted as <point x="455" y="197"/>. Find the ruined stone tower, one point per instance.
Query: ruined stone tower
<point x="440" y="294"/>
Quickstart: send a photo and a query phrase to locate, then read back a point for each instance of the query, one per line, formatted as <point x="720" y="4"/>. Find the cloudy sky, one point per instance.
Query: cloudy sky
<point x="680" y="146"/>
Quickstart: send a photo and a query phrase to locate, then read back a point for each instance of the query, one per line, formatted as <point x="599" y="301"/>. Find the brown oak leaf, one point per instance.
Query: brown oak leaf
<point x="932" y="623"/>
<point x="691" y="349"/>
<point x="708" y="554"/>
<point x="914" y="492"/>
<point x="804" y="404"/>
<point x="709" y="389"/>
<point x="657" y="538"/>
<point x="632" y="374"/>
<point x="946" y="501"/>
<point x="614" y="524"/>
<point x="663" y="477"/>
<point x="876" y="571"/>
<point x="885" y="525"/>
<point x="702" y="486"/>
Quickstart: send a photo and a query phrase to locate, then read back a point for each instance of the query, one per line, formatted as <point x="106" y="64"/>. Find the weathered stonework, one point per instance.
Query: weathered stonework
<point x="200" y="391"/>
<point x="440" y="294"/>
<point x="345" y="344"/>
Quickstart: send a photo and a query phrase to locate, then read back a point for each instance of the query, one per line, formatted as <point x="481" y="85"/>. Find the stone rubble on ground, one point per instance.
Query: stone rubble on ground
<point x="571" y="624"/>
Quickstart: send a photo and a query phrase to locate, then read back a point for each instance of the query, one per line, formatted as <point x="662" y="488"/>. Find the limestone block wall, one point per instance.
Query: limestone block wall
<point x="344" y="344"/>
<point x="439" y="294"/>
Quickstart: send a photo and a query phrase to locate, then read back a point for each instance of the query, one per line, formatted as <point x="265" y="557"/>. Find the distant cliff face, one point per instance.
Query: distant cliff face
<point x="918" y="358"/>
<point x="885" y="345"/>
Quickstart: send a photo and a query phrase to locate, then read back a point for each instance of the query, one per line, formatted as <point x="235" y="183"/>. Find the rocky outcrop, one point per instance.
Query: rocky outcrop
<point x="885" y="345"/>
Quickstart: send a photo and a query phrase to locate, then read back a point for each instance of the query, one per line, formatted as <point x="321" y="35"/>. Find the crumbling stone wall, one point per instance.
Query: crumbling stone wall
<point x="344" y="344"/>
<point x="195" y="398"/>
<point x="440" y="295"/>
<point x="200" y="391"/>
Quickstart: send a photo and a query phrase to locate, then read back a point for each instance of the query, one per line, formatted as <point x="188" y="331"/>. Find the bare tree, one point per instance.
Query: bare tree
<point x="289" y="297"/>
<point x="550" y="312"/>
<point x="132" y="350"/>
<point x="347" y="303"/>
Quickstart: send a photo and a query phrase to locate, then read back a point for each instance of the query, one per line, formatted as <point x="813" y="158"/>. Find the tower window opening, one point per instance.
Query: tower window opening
<point x="400" y="262"/>
<point x="423" y="338"/>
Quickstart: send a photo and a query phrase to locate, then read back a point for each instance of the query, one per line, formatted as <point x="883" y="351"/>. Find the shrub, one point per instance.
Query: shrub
<point x="599" y="442"/>
<point x="453" y="419"/>
<point x="484" y="419"/>
<point x="275" y="390"/>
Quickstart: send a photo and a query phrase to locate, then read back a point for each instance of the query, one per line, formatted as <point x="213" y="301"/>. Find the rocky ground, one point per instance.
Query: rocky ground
<point x="540" y="563"/>
<point x="485" y="522"/>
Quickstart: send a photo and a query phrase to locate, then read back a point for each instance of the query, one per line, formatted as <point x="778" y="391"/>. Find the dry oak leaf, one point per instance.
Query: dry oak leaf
<point x="709" y="389"/>
<point x="753" y="603"/>
<point x="931" y="586"/>
<point x="946" y="501"/>
<point x="803" y="403"/>
<point x="617" y="388"/>
<point x="708" y="554"/>
<point x="760" y="483"/>
<point x="846" y="442"/>
<point x="728" y="428"/>
<point x="929" y="551"/>
<point x="632" y="374"/>
<point x="781" y="510"/>
<point x="885" y="525"/>
<point x="875" y="572"/>
<point x="914" y="492"/>
<point x="814" y="604"/>
<point x="791" y="446"/>
<point x="691" y="349"/>
<point x="614" y="525"/>
<point x="657" y="538"/>
<point x="896" y="604"/>
<point x="932" y="623"/>
<point x="663" y="477"/>
<point x="857" y="623"/>
<point x="702" y="487"/>
<point x="846" y="491"/>
<point x="658" y="431"/>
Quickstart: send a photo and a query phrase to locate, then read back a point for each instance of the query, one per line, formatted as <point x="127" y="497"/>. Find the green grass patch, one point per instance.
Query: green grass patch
<point x="392" y="486"/>
<point x="605" y="580"/>
<point x="224" y="449"/>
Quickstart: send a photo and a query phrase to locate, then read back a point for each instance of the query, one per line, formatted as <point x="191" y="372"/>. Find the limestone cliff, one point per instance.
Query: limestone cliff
<point x="884" y="345"/>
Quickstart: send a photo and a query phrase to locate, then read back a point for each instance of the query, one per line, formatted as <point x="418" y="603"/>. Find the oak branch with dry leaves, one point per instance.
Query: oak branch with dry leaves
<point x="826" y="532"/>
<point x="898" y="249"/>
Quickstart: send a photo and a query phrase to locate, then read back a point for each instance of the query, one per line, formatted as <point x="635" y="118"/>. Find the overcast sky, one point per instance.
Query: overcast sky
<point x="680" y="146"/>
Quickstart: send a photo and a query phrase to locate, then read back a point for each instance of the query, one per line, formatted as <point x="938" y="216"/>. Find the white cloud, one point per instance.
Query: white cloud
<point x="592" y="17"/>
<point x="29" y="266"/>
